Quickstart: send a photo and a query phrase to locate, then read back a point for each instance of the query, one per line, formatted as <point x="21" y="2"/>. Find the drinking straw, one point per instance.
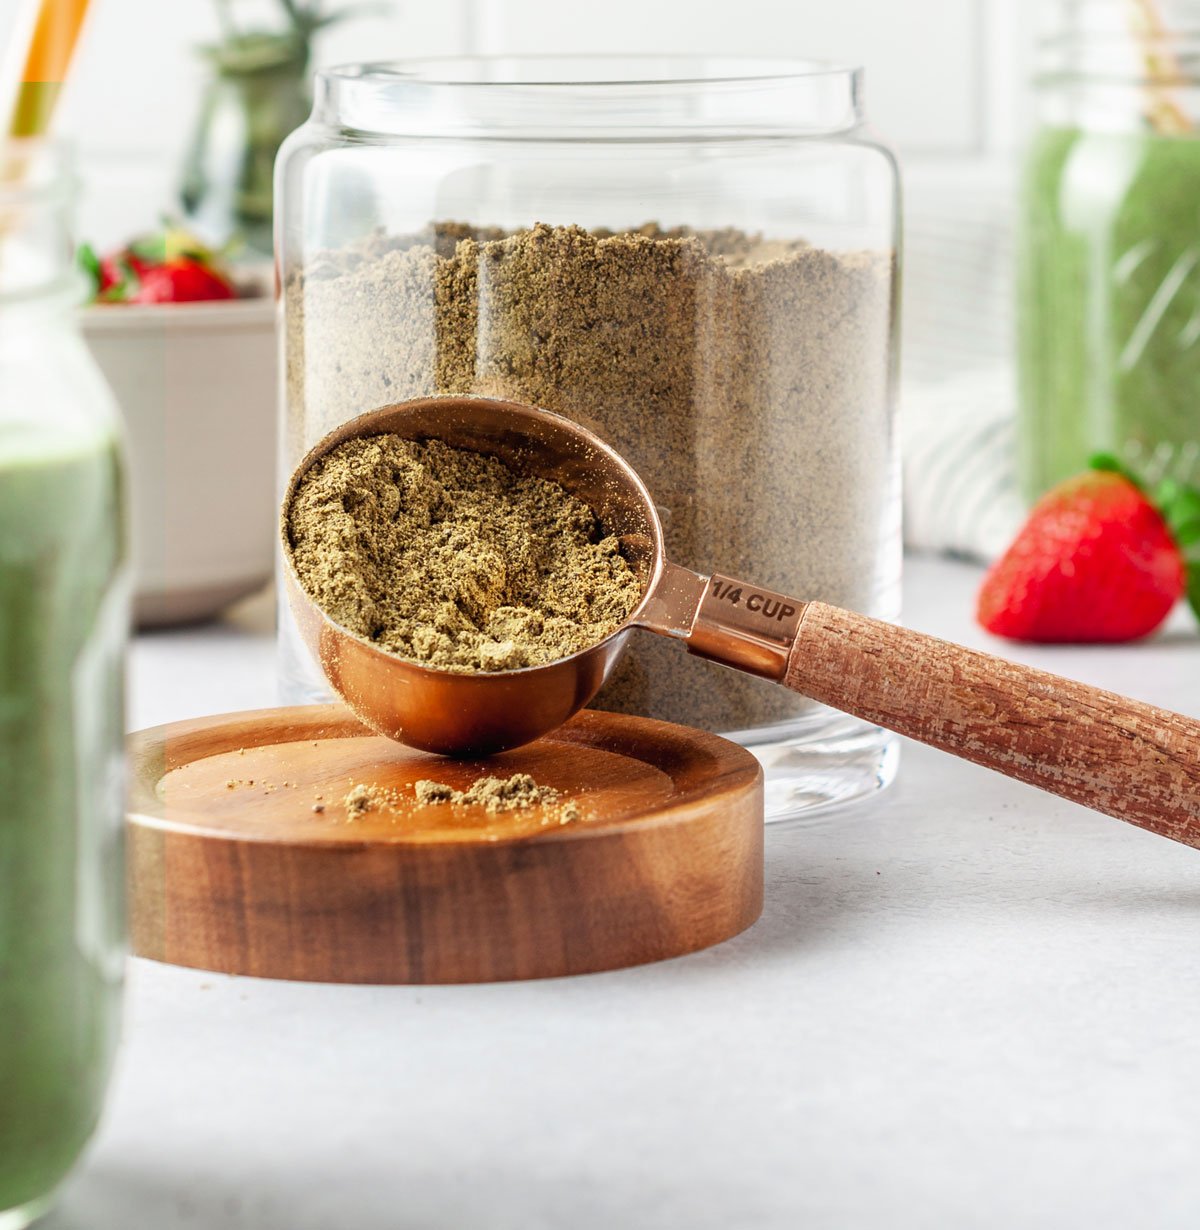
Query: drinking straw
<point x="1163" y="69"/>
<point x="55" y="32"/>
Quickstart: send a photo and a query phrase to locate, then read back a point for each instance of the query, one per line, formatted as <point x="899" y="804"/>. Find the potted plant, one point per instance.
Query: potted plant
<point x="258" y="91"/>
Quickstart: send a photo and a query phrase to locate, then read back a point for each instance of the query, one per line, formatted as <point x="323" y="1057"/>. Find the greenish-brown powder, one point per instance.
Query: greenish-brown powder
<point x="494" y="794"/>
<point x="449" y="558"/>
<point x="500" y="794"/>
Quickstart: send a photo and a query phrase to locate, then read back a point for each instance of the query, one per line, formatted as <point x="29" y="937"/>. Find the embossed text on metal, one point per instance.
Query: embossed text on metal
<point x="745" y="626"/>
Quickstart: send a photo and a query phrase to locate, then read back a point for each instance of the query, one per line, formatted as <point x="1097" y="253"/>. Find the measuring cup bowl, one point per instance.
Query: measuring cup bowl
<point x="476" y="714"/>
<point x="444" y="711"/>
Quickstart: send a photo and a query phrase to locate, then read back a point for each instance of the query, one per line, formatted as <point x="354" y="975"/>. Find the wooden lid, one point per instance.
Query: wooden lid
<point x="245" y="858"/>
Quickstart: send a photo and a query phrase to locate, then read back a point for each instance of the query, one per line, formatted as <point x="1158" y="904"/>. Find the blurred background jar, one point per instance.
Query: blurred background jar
<point x="1109" y="276"/>
<point x="63" y="629"/>
<point x="694" y="258"/>
<point x="257" y="92"/>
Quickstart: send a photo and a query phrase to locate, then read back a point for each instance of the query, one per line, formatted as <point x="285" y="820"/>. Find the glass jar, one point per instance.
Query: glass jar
<point x="1109" y="278"/>
<point x="694" y="258"/>
<point x="64" y="599"/>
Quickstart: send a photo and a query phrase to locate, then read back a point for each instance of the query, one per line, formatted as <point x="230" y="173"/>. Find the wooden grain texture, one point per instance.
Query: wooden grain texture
<point x="231" y="869"/>
<point x="1120" y="756"/>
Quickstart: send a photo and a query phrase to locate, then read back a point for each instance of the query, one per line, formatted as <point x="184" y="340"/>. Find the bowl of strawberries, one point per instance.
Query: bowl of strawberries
<point x="188" y="346"/>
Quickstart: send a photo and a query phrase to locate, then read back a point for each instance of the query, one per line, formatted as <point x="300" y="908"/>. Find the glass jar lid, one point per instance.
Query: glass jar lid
<point x="595" y="98"/>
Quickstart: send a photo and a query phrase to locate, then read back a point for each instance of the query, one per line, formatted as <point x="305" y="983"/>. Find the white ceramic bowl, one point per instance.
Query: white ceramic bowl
<point x="196" y="385"/>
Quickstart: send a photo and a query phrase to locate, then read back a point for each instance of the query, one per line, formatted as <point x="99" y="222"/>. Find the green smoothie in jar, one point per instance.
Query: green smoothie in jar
<point x="63" y="630"/>
<point x="1109" y="252"/>
<point x="62" y="627"/>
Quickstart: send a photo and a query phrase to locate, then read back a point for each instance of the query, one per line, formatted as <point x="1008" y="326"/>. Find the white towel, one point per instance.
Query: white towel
<point x="959" y="464"/>
<point x="958" y="400"/>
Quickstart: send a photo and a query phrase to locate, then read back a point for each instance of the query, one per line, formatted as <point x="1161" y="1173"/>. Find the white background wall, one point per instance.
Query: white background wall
<point x="945" y="77"/>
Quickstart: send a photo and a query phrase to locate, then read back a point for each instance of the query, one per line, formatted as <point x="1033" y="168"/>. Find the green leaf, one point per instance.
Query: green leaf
<point x="1109" y="463"/>
<point x="89" y="262"/>
<point x="1193" y="589"/>
<point x="1179" y="505"/>
<point x="1183" y="501"/>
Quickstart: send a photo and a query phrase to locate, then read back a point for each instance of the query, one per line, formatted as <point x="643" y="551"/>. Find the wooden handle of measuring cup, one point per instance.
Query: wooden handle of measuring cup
<point x="1120" y="756"/>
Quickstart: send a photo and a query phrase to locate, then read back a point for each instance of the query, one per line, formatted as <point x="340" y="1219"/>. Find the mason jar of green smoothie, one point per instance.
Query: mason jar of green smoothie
<point x="1109" y="275"/>
<point x="63" y="629"/>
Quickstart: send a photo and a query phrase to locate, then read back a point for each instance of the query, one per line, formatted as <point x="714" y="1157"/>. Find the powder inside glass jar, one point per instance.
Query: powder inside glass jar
<point x="451" y="559"/>
<point x="747" y="380"/>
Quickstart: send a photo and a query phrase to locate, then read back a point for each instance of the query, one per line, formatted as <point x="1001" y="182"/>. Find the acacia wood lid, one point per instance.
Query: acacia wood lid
<point x="244" y="857"/>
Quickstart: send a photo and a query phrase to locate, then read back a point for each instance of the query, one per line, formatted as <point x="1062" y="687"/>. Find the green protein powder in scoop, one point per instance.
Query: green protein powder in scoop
<point x="449" y="558"/>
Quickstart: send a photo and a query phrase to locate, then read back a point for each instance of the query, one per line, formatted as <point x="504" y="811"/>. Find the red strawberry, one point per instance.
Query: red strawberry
<point x="167" y="266"/>
<point x="1096" y="561"/>
<point x="111" y="273"/>
<point x="181" y="281"/>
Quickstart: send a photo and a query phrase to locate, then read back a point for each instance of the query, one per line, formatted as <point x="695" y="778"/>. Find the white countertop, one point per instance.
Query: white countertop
<point x="967" y="1004"/>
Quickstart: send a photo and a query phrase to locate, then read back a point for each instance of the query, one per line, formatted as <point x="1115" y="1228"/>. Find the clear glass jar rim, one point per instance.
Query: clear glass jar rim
<point x="36" y="171"/>
<point x="601" y="97"/>
<point x="1105" y="41"/>
<point x="595" y="70"/>
<point x="37" y="254"/>
<point x="1119" y="16"/>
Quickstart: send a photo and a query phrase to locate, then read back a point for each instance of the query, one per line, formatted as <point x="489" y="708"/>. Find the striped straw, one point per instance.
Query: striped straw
<point x="55" y="32"/>
<point x="1162" y="68"/>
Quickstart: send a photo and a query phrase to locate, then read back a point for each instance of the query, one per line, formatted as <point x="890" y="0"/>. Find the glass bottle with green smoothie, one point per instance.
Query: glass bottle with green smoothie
<point x="63" y="628"/>
<point x="1109" y="277"/>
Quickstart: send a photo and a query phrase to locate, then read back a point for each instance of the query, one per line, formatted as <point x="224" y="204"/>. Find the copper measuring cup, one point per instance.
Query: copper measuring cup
<point x="1120" y="756"/>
